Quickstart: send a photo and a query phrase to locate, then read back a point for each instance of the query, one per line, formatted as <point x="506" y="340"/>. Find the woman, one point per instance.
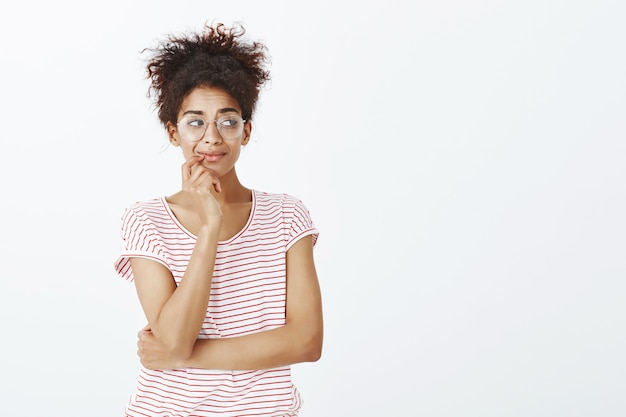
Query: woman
<point x="225" y="274"/>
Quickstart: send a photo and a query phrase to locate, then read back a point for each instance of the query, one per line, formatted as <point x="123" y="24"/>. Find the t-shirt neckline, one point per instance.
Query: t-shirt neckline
<point x="221" y="242"/>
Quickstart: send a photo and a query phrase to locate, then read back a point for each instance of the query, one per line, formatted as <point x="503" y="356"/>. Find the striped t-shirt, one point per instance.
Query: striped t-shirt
<point x="248" y="295"/>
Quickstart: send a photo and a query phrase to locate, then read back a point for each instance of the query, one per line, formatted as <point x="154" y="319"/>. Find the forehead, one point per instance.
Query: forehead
<point x="208" y="100"/>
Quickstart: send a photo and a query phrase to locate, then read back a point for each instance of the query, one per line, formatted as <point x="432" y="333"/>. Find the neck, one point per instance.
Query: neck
<point x="233" y="192"/>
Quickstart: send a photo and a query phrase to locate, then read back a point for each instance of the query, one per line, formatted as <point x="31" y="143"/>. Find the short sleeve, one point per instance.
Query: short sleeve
<point x="299" y="223"/>
<point x="139" y="238"/>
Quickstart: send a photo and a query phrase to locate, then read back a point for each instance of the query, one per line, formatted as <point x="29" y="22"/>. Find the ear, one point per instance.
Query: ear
<point x="172" y="134"/>
<point x="247" y="131"/>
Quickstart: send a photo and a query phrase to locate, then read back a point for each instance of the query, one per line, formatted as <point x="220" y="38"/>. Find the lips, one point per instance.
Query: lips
<point x="212" y="156"/>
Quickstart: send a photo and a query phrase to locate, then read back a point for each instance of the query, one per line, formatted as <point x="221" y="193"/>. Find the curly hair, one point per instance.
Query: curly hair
<point x="217" y="57"/>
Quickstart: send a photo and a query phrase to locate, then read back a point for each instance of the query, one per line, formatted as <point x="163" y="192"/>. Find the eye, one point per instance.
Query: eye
<point x="195" y="122"/>
<point x="229" y="122"/>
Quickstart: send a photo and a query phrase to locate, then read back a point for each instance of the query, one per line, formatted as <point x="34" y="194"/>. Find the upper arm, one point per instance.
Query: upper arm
<point x="154" y="283"/>
<point x="304" y="300"/>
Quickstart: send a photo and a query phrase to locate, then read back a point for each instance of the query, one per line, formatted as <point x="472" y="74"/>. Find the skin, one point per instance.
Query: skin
<point x="214" y="206"/>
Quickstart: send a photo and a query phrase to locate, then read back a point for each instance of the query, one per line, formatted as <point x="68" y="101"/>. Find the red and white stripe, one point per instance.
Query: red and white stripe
<point x="248" y="295"/>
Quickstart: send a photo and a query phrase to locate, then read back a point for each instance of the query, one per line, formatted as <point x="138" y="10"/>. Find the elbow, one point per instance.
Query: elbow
<point x="312" y="350"/>
<point x="314" y="354"/>
<point x="303" y="341"/>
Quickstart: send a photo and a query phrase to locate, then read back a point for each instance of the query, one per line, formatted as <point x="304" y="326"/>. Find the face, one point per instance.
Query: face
<point x="209" y="104"/>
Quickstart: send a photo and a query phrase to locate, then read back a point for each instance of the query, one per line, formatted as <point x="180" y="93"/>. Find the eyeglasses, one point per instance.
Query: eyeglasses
<point x="193" y="128"/>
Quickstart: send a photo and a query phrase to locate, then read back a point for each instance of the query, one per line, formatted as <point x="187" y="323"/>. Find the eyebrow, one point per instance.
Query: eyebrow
<point x="220" y="111"/>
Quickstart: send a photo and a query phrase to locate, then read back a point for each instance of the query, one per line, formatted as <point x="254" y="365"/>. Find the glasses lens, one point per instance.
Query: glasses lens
<point x="230" y="126"/>
<point x="193" y="128"/>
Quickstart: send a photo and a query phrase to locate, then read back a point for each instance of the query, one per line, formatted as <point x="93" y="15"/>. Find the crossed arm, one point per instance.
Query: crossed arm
<point x="175" y="316"/>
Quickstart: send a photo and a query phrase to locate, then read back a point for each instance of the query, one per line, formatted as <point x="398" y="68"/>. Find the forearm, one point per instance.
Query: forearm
<point x="298" y="340"/>
<point x="179" y="322"/>
<point x="283" y="346"/>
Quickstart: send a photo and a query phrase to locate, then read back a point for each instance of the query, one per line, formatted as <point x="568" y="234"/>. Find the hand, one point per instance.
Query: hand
<point x="152" y="354"/>
<point x="200" y="182"/>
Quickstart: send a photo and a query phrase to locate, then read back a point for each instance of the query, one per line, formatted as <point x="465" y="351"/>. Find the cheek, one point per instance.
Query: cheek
<point x="187" y="150"/>
<point x="237" y="150"/>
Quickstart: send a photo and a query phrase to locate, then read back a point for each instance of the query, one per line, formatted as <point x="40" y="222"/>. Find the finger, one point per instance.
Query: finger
<point x="200" y="180"/>
<point x="188" y="165"/>
<point x="194" y="159"/>
<point x="204" y="179"/>
<point x="196" y="169"/>
<point x="217" y="185"/>
<point x="209" y="177"/>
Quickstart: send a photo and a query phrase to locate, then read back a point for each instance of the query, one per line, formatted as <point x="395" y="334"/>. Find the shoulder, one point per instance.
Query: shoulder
<point x="145" y="206"/>
<point x="145" y="211"/>
<point x="283" y="200"/>
<point x="290" y="209"/>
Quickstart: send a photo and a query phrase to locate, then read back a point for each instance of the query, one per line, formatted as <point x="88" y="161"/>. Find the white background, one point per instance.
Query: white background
<point x="463" y="160"/>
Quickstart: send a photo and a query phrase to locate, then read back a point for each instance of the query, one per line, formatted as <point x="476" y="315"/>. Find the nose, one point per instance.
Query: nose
<point x="212" y="134"/>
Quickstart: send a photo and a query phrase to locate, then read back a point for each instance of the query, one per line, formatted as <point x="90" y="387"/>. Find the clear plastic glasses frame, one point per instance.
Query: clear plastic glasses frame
<point x="193" y="128"/>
